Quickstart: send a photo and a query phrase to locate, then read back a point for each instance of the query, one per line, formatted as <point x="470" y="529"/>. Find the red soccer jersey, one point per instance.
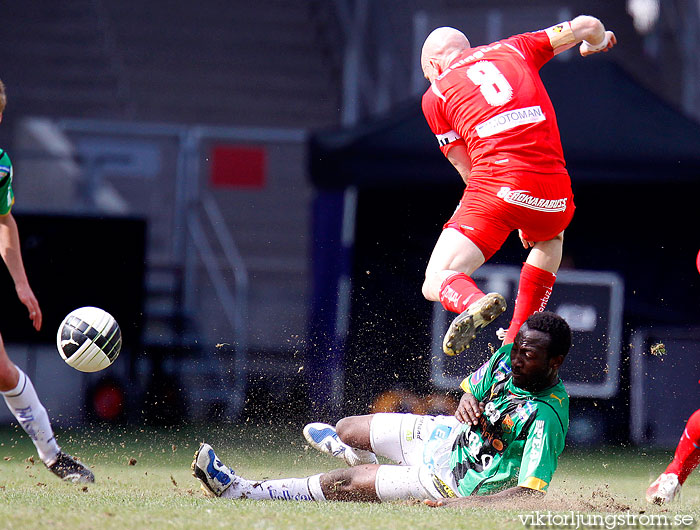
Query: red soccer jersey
<point x="492" y="98"/>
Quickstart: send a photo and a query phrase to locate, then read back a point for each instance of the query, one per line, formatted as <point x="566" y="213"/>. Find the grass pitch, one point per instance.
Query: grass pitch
<point x="144" y="481"/>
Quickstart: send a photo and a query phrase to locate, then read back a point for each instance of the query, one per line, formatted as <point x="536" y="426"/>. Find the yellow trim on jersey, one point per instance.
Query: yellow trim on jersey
<point x="534" y="484"/>
<point x="560" y="35"/>
<point x="464" y="385"/>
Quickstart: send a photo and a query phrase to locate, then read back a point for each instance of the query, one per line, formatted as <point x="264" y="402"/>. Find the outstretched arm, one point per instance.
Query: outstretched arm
<point x="12" y="256"/>
<point x="503" y="498"/>
<point x="590" y="33"/>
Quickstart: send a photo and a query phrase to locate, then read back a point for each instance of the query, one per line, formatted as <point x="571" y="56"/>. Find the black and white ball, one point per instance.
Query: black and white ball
<point x="89" y="339"/>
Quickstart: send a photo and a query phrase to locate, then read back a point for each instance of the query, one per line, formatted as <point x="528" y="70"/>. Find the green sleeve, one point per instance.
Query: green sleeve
<point x="480" y="381"/>
<point x="7" y="197"/>
<point x="544" y="444"/>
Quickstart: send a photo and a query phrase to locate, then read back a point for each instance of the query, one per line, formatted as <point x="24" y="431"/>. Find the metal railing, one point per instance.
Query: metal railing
<point x="235" y="307"/>
<point x="197" y="221"/>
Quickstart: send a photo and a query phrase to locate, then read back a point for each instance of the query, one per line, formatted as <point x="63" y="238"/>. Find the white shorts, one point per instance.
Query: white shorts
<point x="420" y="442"/>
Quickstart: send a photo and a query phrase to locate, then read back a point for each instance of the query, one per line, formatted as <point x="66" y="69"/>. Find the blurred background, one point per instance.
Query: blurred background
<point x="251" y="189"/>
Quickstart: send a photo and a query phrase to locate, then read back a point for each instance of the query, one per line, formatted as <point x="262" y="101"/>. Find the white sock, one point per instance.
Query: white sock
<point x="286" y="489"/>
<point x="32" y="416"/>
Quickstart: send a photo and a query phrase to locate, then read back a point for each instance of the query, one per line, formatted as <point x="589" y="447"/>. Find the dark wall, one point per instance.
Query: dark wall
<point x="645" y="232"/>
<point x="73" y="262"/>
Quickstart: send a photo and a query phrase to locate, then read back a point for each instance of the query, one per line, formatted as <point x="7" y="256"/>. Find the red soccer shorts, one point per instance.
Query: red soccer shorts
<point x="539" y="204"/>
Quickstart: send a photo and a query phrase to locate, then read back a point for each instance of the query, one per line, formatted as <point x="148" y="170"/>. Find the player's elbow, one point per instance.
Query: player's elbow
<point x="588" y="28"/>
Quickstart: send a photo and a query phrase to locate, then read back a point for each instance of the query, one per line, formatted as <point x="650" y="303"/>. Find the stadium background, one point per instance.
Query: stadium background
<point x="252" y="192"/>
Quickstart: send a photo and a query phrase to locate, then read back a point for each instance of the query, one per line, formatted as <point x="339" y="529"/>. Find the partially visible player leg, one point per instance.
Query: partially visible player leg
<point x="368" y="483"/>
<point x="383" y="434"/>
<point x="453" y="254"/>
<point x="687" y="454"/>
<point x="324" y="438"/>
<point x="217" y="479"/>
<point x="447" y="280"/>
<point x="536" y="282"/>
<point x="22" y="400"/>
<point x="685" y="460"/>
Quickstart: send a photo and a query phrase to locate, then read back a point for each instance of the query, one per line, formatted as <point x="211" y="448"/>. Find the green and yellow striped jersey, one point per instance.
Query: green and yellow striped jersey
<point x="519" y="437"/>
<point x="7" y="197"/>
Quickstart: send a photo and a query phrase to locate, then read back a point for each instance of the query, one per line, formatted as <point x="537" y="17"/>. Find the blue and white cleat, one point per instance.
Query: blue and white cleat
<point x="323" y="437"/>
<point x="215" y="477"/>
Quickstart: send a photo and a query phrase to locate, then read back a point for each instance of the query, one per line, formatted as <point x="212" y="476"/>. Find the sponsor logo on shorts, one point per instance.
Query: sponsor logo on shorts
<point x="509" y="119"/>
<point x="524" y="199"/>
<point x="418" y="428"/>
<point x="443" y="489"/>
<point x="409" y="435"/>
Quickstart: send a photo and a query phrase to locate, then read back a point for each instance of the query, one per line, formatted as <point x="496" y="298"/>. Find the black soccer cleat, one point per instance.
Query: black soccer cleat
<point x="69" y="469"/>
<point x="463" y="328"/>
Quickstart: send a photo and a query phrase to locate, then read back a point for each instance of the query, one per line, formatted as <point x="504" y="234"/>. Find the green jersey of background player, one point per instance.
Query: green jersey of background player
<point x="15" y="386"/>
<point x="502" y="443"/>
<point x="7" y="198"/>
<point x="519" y="434"/>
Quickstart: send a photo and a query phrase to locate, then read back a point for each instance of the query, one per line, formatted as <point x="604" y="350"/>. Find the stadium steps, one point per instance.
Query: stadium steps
<point x="55" y="61"/>
<point x="166" y="324"/>
<point x="260" y="64"/>
<point x="257" y="64"/>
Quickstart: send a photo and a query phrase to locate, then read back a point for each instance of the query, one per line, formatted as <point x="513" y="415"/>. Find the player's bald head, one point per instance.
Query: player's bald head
<point x="442" y="45"/>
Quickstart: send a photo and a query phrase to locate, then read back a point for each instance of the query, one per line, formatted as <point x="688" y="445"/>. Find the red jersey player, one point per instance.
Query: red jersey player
<point x="686" y="458"/>
<point x="495" y="123"/>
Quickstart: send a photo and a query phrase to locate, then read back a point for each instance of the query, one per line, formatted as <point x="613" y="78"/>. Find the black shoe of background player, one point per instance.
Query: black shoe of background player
<point x="69" y="469"/>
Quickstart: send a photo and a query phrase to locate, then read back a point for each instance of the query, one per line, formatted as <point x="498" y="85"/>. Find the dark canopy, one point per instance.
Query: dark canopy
<point x="611" y="128"/>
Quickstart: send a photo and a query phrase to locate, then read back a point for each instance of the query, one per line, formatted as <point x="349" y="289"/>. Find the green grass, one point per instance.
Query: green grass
<point x="159" y="492"/>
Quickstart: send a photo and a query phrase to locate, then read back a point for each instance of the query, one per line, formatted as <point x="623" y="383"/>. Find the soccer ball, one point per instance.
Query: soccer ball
<point x="89" y="339"/>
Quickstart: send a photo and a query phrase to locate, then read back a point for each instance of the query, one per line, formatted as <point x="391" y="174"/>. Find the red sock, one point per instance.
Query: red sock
<point x="458" y="292"/>
<point x="688" y="450"/>
<point x="533" y="294"/>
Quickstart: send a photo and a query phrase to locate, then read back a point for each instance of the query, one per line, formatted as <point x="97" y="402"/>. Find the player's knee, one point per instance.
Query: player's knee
<point x="8" y="375"/>
<point x="345" y="429"/>
<point x="426" y="290"/>
<point x="353" y="430"/>
<point x="431" y="287"/>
